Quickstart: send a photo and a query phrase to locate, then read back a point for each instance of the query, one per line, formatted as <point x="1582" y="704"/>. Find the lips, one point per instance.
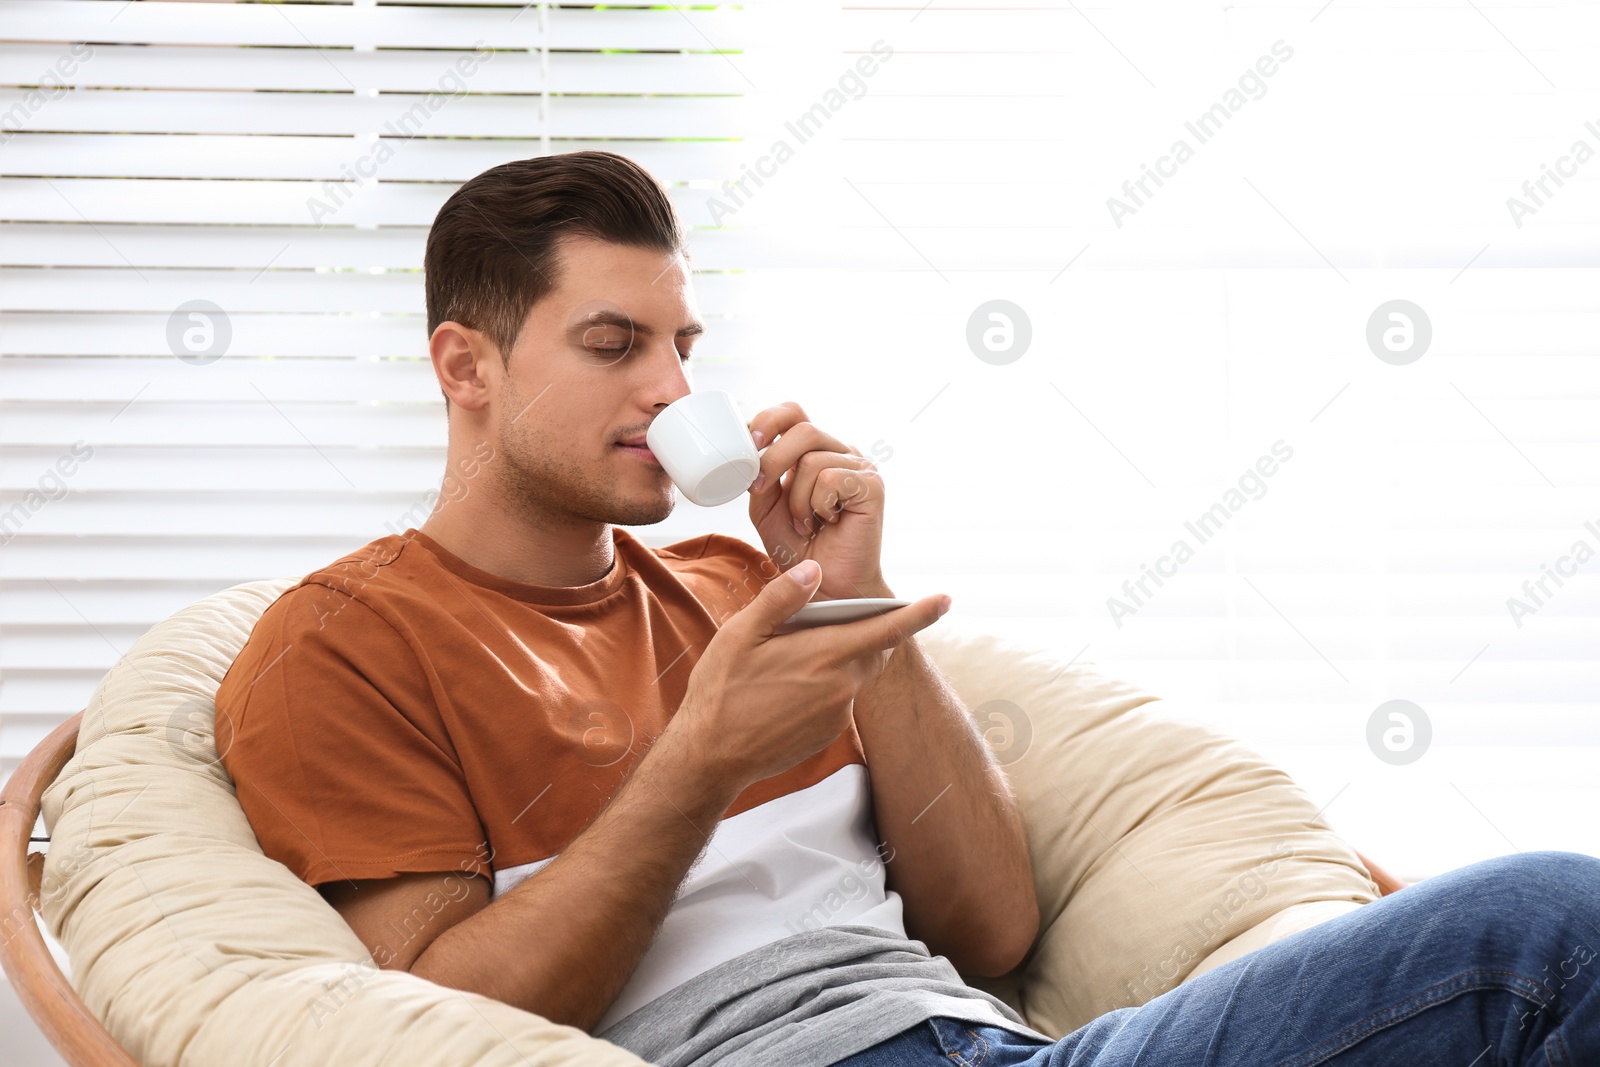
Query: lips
<point x="638" y="450"/>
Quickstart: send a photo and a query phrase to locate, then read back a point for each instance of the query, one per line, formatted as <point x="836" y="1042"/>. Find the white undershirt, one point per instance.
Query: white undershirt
<point x="798" y="862"/>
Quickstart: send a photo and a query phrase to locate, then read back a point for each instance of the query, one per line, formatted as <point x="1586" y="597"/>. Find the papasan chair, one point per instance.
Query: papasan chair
<point x="1162" y="848"/>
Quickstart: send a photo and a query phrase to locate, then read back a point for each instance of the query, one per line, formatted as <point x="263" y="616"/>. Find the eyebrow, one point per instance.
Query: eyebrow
<point x="611" y="318"/>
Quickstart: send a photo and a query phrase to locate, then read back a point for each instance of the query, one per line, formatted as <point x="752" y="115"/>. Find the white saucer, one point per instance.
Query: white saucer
<point x="827" y="612"/>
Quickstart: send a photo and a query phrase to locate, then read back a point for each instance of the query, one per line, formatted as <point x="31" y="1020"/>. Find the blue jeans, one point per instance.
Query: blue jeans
<point x="1489" y="965"/>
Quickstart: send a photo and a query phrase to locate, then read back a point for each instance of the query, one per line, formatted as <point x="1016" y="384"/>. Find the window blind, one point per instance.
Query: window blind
<point x="281" y="163"/>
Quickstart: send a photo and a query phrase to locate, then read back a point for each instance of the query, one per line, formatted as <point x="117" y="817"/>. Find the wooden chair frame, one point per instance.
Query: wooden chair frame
<point x="44" y="991"/>
<point x="40" y="985"/>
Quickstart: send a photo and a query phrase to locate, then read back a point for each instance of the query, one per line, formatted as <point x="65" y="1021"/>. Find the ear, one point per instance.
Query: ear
<point x="463" y="360"/>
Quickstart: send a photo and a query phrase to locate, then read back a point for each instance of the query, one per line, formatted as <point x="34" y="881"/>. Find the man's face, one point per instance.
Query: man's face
<point x="597" y="360"/>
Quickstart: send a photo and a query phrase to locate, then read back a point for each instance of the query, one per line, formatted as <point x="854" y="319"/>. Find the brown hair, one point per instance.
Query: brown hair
<point x="491" y="253"/>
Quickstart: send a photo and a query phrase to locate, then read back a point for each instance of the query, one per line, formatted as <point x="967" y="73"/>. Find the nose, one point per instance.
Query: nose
<point x="670" y="376"/>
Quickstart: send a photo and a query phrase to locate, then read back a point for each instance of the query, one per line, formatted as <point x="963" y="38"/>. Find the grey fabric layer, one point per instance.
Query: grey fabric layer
<point x="807" y="1000"/>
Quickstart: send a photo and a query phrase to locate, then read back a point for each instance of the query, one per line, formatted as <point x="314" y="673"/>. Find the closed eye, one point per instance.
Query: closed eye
<point x="613" y="351"/>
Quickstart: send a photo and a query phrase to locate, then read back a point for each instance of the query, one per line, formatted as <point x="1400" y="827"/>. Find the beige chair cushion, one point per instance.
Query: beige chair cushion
<point x="1162" y="847"/>
<point x="193" y="947"/>
<point x="1177" y="847"/>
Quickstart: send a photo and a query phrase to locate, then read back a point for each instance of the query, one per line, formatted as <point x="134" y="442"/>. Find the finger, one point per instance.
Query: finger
<point x="786" y="451"/>
<point x="776" y="420"/>
<point x="880" y="633"/>
<point x="810" y="488"/>
<point x="845" y="487"/>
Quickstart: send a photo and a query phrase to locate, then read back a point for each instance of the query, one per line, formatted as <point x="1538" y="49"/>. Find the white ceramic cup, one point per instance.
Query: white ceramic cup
<point x="702" y="442"/>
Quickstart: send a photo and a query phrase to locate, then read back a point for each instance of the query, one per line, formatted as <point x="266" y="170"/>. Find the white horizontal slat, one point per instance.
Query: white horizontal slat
<point x="386" y="336"/>
<point x="334" y="26"/>
<point x="36" y="602"/>
<point x="36" y="244"/>
<point x="388" y="70"/>
<point x="102" y="559"/>
<point x="396" y="114"/>
<point x="256" y="425"/>
<point x="147" y="514"/>
<point x="90" y="378"/>
<point x="83" y="290"/>
<point x="202" y="467"/>
<point x="65" y="647"/>
<point x="246" y="291"/>
<point x="19" y="735"/>
<point x="54" y="695"/>
<point x="31" y="244"/>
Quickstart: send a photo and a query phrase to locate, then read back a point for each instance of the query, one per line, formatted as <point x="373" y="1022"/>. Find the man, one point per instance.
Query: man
<point x="525" y="755"/>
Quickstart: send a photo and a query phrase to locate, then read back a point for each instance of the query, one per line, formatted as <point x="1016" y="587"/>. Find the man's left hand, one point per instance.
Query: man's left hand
<point x="829" y="507"/>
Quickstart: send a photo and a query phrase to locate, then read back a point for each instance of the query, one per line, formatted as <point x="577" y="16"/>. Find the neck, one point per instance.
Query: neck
<point x="525" y="543"/>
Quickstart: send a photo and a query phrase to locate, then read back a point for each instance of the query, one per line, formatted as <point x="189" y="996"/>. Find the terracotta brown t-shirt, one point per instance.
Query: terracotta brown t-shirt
<point x="400" y="710"/>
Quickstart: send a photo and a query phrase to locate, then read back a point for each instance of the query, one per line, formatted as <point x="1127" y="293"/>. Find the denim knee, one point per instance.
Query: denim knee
<point x="1547" y="877"/>
<point x="1551" y="895"/>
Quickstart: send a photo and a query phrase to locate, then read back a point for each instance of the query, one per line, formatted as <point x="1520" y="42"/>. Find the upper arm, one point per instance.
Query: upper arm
<point x="327" y="725"/>
<point x="398" y="918"/>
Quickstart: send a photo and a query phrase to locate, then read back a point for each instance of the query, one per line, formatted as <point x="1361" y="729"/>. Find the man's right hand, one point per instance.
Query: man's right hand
<point x="757" y="703"/>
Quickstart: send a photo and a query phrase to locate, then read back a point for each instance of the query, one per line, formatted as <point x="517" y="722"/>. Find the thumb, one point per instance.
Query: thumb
<point x="784" y="595"/>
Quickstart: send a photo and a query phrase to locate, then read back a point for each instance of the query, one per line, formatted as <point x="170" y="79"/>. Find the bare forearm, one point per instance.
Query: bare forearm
<point x="563" y="943"/>
<point x="943" y="803"/>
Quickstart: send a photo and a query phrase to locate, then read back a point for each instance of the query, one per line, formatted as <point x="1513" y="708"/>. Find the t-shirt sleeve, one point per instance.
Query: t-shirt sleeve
<point x="731" y="572"/>
<point x="328" y="727"/>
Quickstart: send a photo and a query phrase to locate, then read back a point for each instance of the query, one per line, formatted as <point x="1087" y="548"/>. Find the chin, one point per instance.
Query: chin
<point x="639" y="513"/>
